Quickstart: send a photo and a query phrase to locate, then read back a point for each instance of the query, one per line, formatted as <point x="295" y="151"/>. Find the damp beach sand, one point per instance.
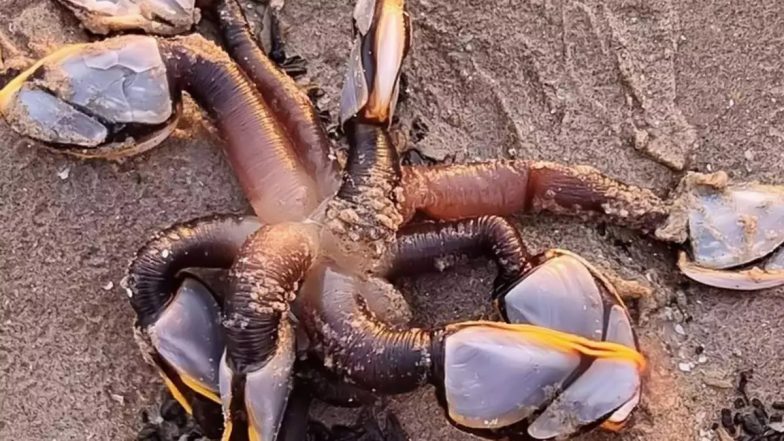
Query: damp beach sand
<point x="636" y="89"/>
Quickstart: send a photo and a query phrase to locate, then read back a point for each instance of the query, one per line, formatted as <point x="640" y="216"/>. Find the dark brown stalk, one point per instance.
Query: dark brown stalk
<point x="278" y="186"/>
<point x="289" y="103"/>
<point x="364" y="216"/>
<point x="263" y="282"/>
<point x="354" y="343"/>
<point x="210" y="242"/>
<point x="428" y="247"/>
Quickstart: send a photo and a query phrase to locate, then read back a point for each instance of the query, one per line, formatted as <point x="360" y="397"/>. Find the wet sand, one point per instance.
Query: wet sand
<point x="633" y="88"/>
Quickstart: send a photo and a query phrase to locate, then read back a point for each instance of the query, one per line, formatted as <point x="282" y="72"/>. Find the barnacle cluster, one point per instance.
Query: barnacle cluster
<point x="216" y="297"/>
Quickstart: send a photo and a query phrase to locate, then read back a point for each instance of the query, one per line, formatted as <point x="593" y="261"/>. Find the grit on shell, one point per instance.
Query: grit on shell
<point x="625" y="86"/>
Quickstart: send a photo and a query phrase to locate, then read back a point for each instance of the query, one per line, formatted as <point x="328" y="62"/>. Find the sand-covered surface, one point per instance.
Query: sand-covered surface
<point x="625" y="86"/>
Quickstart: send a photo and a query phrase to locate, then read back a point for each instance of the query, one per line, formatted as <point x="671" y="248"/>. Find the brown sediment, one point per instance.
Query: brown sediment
<point x="11" y="57"/>
<point x="264" y="161"/>
<point x="509" y="187"/>
<point x="288" y="102"/>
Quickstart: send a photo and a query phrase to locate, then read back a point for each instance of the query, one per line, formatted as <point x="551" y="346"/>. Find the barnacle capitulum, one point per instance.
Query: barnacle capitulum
<point x="364" y="217"/>
<point x="163" y="17"/>
<point x="736" y="233"/>
<point x="129" y="85"/>
<point x="372" y="80"/>
<point x="178" y="316"/>
<point x="582" y="381"/>
<point x="255" y="400"/>
<point x="187" y="336"/>
<point x="552" y="373"/>
<point x="109" y="99"/>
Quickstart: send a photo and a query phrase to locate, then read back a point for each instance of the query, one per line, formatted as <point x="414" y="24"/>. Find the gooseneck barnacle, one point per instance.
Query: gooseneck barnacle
<point x="365" y="215"/>
<point x="534" y="367"/>
<point x="178" y="326"/>
<point x="317" y="259"/>
<point x="260" y="346"/>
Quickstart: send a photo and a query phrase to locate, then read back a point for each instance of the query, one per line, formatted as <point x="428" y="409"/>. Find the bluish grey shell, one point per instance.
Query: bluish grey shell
<point x="188" y="334"/>
<point x="82" y="93"/>
<point x="266" y="389"/>
<point x="494" y="378"/>
<point x="736" y="225"/>
<point x="560" y="294"/>
<point x="491" y="375"/>
<point x="165" y="17"/>
<point x="121" y="80"/>
<point x="49" y="119"/>
<point x="776" y="261"/>
<point x="606" y="386"/>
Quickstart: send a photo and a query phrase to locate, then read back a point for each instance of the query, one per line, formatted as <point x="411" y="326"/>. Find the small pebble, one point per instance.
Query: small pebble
<point x="744" y="380"/>
<point x="118" y="398"/>
<point x="718" y="383"/>
<point x="723" y="435"/>
<point x="64" y="173"/>
<point x="108" y="286"/>
<point x="679" y="329"/>
<point x="685" y="367"/>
